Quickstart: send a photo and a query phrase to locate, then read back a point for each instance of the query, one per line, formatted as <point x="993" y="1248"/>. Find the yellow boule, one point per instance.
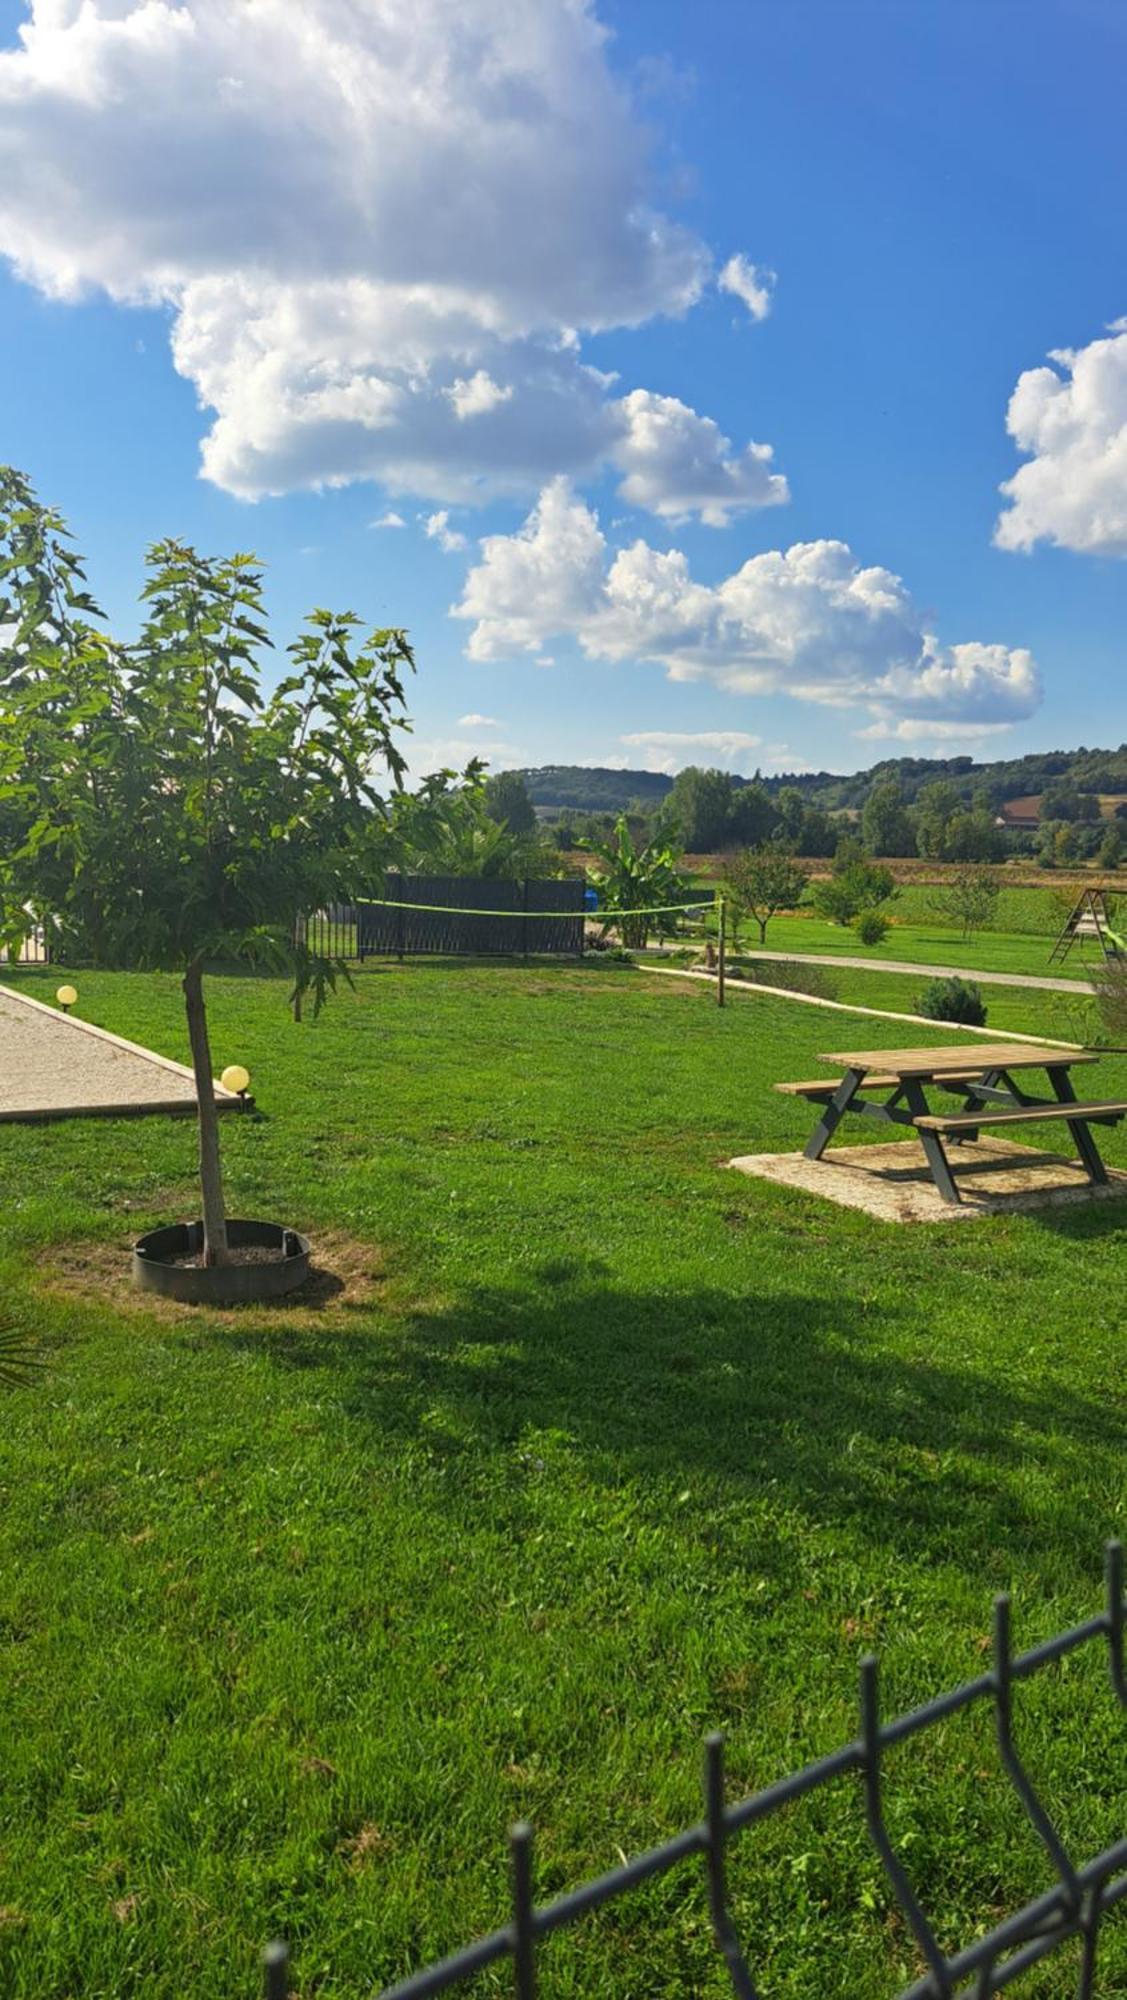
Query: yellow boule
<point x="235" y="1078"/>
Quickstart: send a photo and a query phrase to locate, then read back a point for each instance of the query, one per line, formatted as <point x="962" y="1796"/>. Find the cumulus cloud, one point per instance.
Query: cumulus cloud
<point x="438" y="529"/>
<point x="810" y="621"/>
<point x="749" y="282"/>
<point x="671" y="749"/>
<point x="677" y="463"/>
<point x="479" y="722"/>
<point x="1071" y="418"/>
<point x="390" y="520"/>
<point x="382" y="228"/>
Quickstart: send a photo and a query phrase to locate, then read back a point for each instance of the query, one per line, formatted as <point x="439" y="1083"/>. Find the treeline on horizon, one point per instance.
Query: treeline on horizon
<point x="599" y="789"/>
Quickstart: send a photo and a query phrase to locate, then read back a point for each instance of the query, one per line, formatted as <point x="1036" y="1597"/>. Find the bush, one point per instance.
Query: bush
<point x="956" y="1000"/>
<point x="871" y="927"/>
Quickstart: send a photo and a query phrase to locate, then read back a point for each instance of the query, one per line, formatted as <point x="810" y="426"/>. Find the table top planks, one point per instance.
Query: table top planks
<point x="977" y="1060"/>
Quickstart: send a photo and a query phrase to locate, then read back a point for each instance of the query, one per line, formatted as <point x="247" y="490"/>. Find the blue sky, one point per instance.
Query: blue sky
<point x="938" y="190"/>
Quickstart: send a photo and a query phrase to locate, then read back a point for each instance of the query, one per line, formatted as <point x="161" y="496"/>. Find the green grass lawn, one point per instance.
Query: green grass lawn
<point x="1009" y="1009"/>
<point x="602" y="1447"/>
<point x="924" y="942"/>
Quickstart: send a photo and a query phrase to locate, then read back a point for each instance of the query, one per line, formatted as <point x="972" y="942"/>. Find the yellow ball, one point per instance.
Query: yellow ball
<point x="235" y="1078"/>
<point x="66" y="996"/>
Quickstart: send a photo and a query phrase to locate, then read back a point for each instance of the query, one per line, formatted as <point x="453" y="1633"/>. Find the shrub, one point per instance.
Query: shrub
<point x="953" y="1000"/>
<point x="871" y="927"/>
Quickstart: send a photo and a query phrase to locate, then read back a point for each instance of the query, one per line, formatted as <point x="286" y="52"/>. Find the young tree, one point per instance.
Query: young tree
<point x="169" y="812"/>
<point x="763" y="880"/>
<point x="854" y="885"/>
<point x="969" y="898"/>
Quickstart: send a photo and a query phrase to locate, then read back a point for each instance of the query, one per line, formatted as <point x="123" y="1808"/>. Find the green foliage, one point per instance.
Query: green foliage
<point x="447" y="828"/>
<point x="761" y="880"/>
<point x="871" y="927"/>
<point x="968" y="897"/>
<point x="956" y="1000"/>
<point x="700" y="803"/>
<point x="633" y="876"/>
<point x="973" y="836"/>
<point x="886" y="827"/>
<point x="506" y="799"/>
<point x="855" y="884"/>
<point x="938" y="803"/>
<point x="168" y="809"/>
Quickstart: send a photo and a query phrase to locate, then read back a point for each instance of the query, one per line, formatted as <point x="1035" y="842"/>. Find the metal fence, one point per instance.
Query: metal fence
<point x="34" y="950"/>
<point x="466" y="917"/>
<point x="1074" y="1907"/>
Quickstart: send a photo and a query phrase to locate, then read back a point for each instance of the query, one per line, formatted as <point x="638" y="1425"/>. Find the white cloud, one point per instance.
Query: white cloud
<point x="476" y="395"/>
<point x="438" y="529"/>
<point x="1072" y="421"/>
<point x="389" y="520"/>
<point x="809" y="621"/>
<point x="749" y="282"/>
<point x="479" y="722"/>
<point x="671" y="749"/>
<point x="381" y="227"/>
<point x="677" y="463"/>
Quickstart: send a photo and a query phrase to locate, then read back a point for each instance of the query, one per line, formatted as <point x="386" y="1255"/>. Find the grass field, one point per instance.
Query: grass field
<point x="925" y="943"/>
<point x="599" y="1447"/>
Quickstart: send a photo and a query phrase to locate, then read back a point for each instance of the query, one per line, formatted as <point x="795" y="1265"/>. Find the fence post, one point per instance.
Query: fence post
<point x="524" y="918"/>
<point x="399" y="923"/>
<point x="721" y="910"/>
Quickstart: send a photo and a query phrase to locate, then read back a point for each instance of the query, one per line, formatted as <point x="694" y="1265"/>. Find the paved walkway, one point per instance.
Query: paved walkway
<point x="1044" y="985"/>
<point x="54" y="1066"/>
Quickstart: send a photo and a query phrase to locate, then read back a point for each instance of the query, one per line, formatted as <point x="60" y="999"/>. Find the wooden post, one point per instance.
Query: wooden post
<point x="721" y="909"/>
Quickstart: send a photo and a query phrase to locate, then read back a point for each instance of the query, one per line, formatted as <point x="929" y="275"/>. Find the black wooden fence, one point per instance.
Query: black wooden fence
<point x="453" y="916"/>
<point x="1073" y="1908"/>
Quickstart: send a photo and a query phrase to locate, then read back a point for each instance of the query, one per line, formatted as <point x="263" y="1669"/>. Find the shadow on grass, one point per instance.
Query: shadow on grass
<point x="790" y="1400"/>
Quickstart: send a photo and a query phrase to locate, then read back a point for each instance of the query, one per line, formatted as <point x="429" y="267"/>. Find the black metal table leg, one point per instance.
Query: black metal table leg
<point x="833" y="1114"/>
<point x="1079" y="1129"/>
<point x="934" y="1150"/>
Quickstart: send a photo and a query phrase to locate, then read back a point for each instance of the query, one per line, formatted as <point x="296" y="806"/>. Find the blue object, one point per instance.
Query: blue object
<point x="590" y="899"/>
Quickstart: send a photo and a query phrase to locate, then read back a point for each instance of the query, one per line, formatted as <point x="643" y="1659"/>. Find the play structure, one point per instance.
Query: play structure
<point x="1089" y="920"/>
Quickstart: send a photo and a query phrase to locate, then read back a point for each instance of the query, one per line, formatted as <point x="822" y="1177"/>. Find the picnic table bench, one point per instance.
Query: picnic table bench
<point x="984" y="1077"/>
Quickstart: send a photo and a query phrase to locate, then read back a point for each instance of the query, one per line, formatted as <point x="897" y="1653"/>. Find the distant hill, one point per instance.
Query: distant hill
<point x="583" y="788"/>
<point x="593" y="788"/>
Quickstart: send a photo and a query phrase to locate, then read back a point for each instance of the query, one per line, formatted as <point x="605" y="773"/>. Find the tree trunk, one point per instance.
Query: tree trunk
<point x="763" y="923"/>
<point x="215" y="1249"/>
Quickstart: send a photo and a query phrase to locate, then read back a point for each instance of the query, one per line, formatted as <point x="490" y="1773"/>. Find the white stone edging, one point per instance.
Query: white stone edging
<point x="848" y="1007"/>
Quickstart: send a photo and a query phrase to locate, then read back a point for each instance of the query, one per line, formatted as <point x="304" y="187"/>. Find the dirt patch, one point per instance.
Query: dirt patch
<point x="347" y="1277"/>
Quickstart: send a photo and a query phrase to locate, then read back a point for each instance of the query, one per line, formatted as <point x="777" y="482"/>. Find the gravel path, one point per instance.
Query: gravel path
<point x="53" y="1066"/>
<point x="1044" y="985"/>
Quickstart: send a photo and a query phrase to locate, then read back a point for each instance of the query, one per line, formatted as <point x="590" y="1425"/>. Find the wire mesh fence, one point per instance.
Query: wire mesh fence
<point x="1072" y="1908"/>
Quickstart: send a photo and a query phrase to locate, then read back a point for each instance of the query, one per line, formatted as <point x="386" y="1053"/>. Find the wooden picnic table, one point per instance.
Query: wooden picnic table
<point x="983" y="1075"/>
